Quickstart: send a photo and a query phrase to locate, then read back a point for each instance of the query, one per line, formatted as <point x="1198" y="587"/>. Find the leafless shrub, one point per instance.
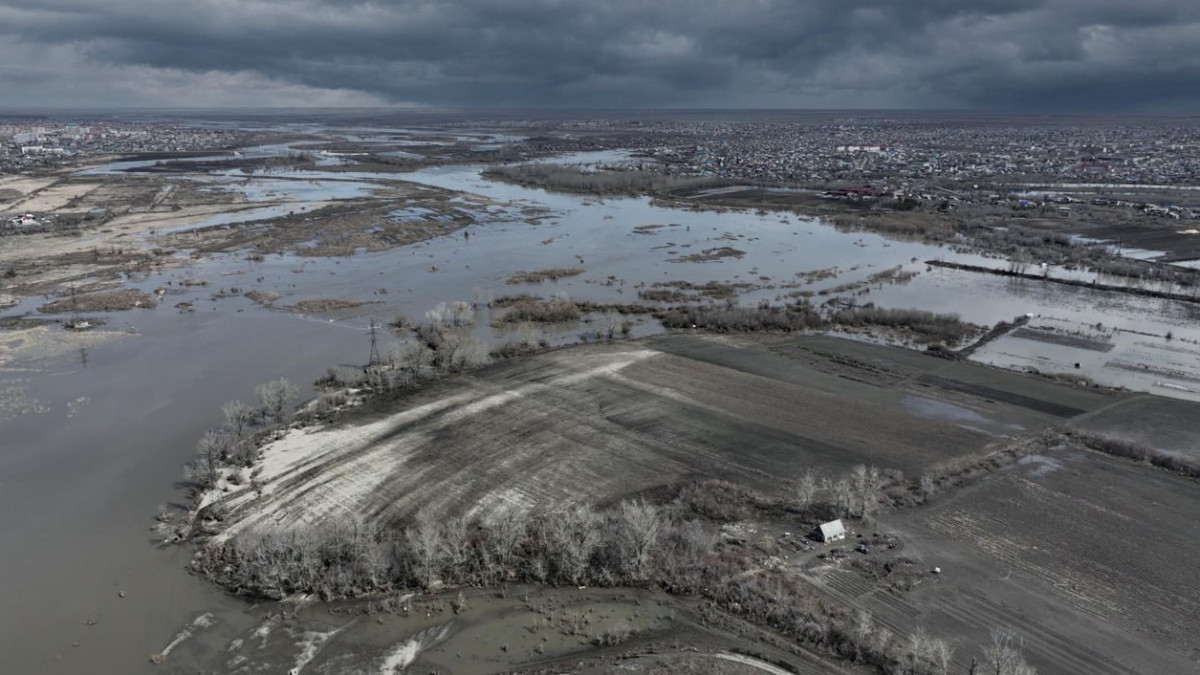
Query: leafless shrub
<point x="401" y="322"/>
<point x="458" y="313"/>
<point x="616" y="634"/>
<point x="927" y="486"/>
<point x="926" y="327"/>
<point x="438" y="316"/>
<point x="526" y="340"/>
<point x="462" y="313"/>
<point x="558" y="309"/>
<point x="731" y="318"/>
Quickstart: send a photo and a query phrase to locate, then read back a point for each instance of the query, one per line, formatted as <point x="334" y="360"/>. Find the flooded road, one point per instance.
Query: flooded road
<point x="85" y="587"/>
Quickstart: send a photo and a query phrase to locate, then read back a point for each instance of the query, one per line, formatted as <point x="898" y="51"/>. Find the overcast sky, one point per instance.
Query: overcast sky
<point x="1093" y="55"/>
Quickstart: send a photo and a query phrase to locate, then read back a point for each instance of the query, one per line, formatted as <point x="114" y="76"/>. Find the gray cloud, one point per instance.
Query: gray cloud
<point x="1026" y="54"/>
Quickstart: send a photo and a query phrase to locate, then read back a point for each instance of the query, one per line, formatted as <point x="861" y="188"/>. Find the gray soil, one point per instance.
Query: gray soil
<point x="1165" y="424"/>
<point x="1079" y="552"/>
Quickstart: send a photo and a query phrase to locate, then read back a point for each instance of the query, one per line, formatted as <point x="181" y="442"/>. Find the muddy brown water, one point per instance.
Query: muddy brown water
<point x="77" y="495"/>
<point x="78" y="492"/>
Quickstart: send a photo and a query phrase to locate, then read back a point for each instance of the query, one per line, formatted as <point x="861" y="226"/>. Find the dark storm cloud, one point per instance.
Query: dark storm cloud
<point x="721" y="53"/>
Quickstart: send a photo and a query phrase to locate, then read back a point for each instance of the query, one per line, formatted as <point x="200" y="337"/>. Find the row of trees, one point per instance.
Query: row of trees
<point x="856" y="495"/>
<point x="235" y="443"/>
<point x="632" y="543"/>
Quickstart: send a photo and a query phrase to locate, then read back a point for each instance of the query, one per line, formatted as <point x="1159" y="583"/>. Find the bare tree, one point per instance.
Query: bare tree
<point x="682" y="553"/>
<point x="409" y="359"/>
<point x="806" y="489"/>
<point x="210" y="454"/>
<point x="274" y="396"/>
<point x="843" y="495"/>
<point x="456" y="548"/>
<point x="237" y="417"/>
<point x="463" y="353"/>
<point x="917" y="651"/>
<point x="572" y="534"/>
<point x="642" y="522"/>
<point x="942" y="655"/>
<point x="424" y="538"/>
<point x="883" y="637"/>
<point x="864" y="629"/>
<point x="865" y="483"/>
<point x="1005" y="655"/>
<point x="505" y="531"/>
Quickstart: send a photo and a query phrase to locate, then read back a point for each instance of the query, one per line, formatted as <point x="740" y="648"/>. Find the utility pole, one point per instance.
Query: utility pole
<point x="374" y="345"/>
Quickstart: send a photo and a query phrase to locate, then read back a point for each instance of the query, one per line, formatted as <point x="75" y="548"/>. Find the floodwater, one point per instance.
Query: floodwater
<point x="80" y="483"/>
<point x="78" y="491"/>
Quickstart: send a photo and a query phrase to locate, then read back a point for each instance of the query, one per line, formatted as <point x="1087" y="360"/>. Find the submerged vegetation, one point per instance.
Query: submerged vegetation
<point x="922" y="327"/>
<point x="538" y="276"/>
<point x="527" y="309"/>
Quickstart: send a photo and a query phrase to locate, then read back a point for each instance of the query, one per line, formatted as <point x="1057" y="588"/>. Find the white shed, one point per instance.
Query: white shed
<point x="833" y="531"/>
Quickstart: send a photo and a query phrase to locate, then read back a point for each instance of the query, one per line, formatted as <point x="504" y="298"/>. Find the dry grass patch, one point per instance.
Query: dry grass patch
<point x="264" y="297"/>
<point x="324" y="305"/>
<point x="105" y="301"/>
<point x="538" y="276"/>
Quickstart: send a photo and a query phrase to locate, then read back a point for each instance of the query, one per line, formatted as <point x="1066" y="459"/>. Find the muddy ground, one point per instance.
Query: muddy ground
<point x="1169" y="425"/>
<point x="518" y="629"/>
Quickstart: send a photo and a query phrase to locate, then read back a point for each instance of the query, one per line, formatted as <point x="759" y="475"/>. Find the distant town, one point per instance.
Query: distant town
<point x="41" y="144"/>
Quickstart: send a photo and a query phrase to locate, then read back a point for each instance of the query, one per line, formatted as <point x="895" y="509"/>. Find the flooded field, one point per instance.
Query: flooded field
<point x="95" y="426"/>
